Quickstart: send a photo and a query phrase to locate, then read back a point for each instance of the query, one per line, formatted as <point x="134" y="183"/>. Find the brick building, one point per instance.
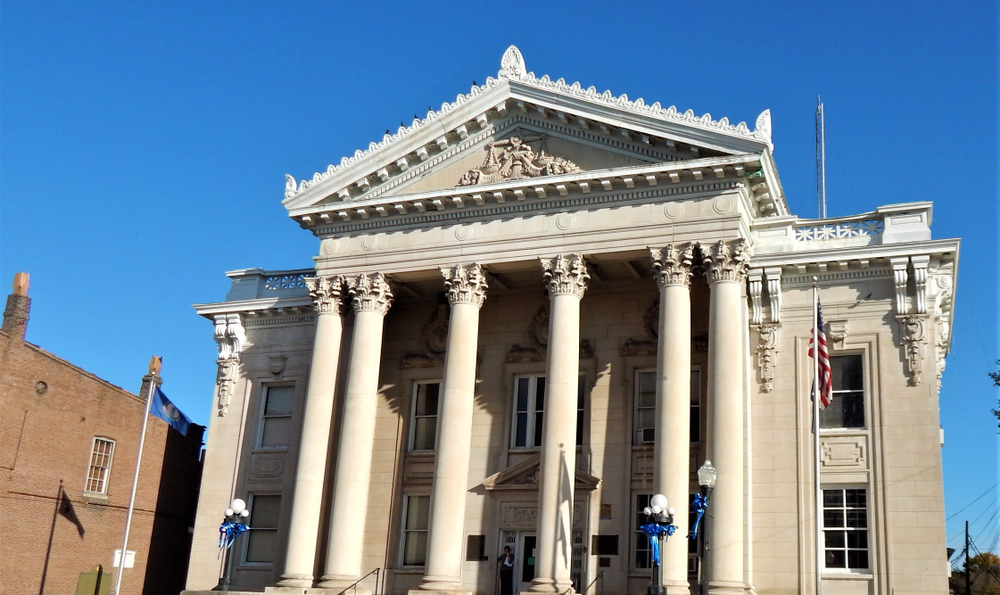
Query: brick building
<point x="68" y="443"/>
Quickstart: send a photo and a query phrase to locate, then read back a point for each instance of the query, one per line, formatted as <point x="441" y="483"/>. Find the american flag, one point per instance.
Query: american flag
<point x="825" y="373"/>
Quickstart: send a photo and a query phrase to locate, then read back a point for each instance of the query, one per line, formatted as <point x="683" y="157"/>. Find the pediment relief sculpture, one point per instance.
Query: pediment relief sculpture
<point x="514" y="158"/>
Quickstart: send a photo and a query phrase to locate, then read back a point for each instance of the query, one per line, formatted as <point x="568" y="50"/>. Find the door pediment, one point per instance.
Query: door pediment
<point x="525" y="476"/>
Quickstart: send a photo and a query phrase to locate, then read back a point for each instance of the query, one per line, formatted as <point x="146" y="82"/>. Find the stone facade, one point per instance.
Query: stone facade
<point x="536" y="266"/>
<point x="56" y="523"/>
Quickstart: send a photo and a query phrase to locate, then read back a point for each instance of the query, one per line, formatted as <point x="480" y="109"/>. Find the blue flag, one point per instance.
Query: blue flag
<point x="162" y="408"/>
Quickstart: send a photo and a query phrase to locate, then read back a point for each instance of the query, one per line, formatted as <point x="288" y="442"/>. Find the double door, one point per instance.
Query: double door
<point x="523" y="545"/>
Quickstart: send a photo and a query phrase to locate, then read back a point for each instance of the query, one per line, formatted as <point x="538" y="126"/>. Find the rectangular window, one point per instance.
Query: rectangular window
<point x="101" y="453"/>
<point x="642" y="554"/>
<point x="262" y="538"/>
<point x="529" y="406"/>
<point x="416" y="510"/>
<point x="644" y="421"/>
<point x="845" y="529"/>
<point x="423" y="420"/>
<point x="848" y="407"/>
<point x="276" y="420"/>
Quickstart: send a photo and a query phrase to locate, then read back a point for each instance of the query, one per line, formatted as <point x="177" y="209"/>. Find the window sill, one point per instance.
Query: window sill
<point x="410" y="570"/>
<point x="95" y="498"/>
<point x="271" y="449"/>
<point x="840" y="575"/>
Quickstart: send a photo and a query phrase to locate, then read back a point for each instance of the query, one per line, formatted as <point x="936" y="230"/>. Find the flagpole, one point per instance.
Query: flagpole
<point x="818" y="495"/>
<point x="155" y="365"/>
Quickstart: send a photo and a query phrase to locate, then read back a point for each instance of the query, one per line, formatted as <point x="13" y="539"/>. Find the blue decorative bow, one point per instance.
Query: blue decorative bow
<point x="228" y="532"/>
<point x="700" y="505"/>
<point x="653" y="531"/>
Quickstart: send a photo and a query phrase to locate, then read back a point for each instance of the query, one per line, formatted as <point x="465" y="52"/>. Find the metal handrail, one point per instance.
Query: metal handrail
<point x="599" y="577"/>
<point x="354" y="585"/>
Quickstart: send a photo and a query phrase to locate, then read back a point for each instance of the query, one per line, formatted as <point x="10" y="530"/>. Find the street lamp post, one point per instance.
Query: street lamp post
<point x="232" y="527"/>
<point x="659" y="526"/>
<point x="706" y="479"/>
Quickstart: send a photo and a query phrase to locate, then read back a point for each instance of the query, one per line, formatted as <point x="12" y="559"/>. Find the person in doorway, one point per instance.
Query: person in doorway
<point x="506" y="564"/>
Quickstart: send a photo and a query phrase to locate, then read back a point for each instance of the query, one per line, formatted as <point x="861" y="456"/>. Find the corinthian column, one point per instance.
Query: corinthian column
<point x="370" y="298"/>
<point x="566" y="281"/>
<point x="671" y="454"/>
<point x="466" y="294"/>
<point x="726" y="267"/>
<point x="307" y="502"/>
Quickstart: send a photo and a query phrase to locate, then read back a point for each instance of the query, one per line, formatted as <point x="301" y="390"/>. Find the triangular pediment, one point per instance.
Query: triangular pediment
<point x="526" y="476"/>
<point x="589" y="129"/>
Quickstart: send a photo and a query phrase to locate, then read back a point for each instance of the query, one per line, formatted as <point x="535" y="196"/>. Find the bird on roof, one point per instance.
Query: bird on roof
<point x="474" y="83"/>
<point x="387" y="132"/>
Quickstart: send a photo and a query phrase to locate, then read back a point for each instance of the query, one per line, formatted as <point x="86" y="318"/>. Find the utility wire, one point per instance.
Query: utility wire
<point x="974" y="501"/>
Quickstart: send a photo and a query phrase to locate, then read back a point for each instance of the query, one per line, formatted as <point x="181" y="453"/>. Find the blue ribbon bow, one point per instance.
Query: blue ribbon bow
<point x="700" y="505"/>
<point x="653" y="531"/>
<point x="228" y="532"/>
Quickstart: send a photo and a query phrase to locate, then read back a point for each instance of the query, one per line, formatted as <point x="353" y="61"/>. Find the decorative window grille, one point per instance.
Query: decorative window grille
<point x="276" y="418"/>
<point x="528" y="414"/>
<point x="101" y="453"/>
<point x="848" y="407"/>
<point x="424" y="412"/>
<point x="282" y="282"/>
<point x="262" y="538"/>
<point x="845" y="529"/>
<point x="416" y="511"/>
<point x="846" y="229"/>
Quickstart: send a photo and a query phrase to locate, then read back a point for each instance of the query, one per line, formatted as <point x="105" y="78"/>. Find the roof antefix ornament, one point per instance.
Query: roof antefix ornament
<point x="514" y="159"/>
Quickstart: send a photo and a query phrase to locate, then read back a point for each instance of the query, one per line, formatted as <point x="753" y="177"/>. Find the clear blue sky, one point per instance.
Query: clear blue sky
<point x="143" y="147"/>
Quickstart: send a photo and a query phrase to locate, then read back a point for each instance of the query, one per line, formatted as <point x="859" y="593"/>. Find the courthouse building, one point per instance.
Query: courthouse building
<point x="538" y="306"/>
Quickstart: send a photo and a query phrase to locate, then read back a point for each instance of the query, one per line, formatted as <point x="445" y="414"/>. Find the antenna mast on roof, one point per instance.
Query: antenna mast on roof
<point x="820" y="159"/>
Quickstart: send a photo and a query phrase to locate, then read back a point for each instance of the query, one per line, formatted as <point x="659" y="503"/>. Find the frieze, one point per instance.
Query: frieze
<point x="514" y="159"/>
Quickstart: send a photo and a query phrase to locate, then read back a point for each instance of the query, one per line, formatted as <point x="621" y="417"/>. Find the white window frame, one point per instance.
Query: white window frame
<point x="695" y="403"/>
<point x="403" y="531"/>
<point x="868" y="529"/>
<point x="634" y="533"/>
<point x="251" y="505"/>
<point x="265" y="391"/>
<point x="538" y="415"/>
<point x="106" y="470"/>
<point x="413" y="414"/>
<point x="862" y="357"/>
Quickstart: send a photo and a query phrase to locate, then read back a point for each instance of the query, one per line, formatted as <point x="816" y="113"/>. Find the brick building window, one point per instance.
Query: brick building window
<point x="416" y="514"/>
<point x="101" y="453"/>
<point x="262" y="538"/>
<point x="276" y="418"/>
<point x="423" y="418"/>
<point x="845" y="529"/>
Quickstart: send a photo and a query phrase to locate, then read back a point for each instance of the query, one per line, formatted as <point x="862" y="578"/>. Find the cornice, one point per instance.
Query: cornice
<point x="454" y="121"/>
<point x="276" y="304"/>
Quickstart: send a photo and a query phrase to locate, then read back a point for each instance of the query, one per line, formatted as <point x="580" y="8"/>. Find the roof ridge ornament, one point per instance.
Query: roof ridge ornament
<point x="512" y="64"/>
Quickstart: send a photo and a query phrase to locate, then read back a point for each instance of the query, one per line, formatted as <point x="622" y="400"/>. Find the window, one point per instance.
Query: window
<point x="262" y="538"/>
<point x="644" y="421"/>
<point x="642" y="555"/>
<point x="101" y="453"/>
<point x="529" y="405"/>
<point x="845" y="529"/>
<point x="423" y="424"/>
<point x="416" y="510"/>
<point x="276" y="422"/>
<point x="848" y="407"/>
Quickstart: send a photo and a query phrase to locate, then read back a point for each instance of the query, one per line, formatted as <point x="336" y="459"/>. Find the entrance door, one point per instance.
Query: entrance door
<point x="526" y="572"/>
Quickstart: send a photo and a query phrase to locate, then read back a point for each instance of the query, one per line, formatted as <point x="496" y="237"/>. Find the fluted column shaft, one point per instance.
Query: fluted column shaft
<point x="370" y="298"/>
<point x="672" y="448"/>
<point x="317" y="417"/>
<point x="466" y="293"/>
<point x="726" y="267"/>
<point x="566" y="281"/>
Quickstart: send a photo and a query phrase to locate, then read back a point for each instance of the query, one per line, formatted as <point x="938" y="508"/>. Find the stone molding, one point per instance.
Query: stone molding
<point x="230" y="337"/>
<point x="371" y="293"/>
<point x="672" y="264"/>
<point x="726" y="261"/>
<point x="566" y="274"/>
<point x="465" y="285"/>
<point x="766" y="348"/>
<point x="912" y="332"/>
<point x="326" y="293"/>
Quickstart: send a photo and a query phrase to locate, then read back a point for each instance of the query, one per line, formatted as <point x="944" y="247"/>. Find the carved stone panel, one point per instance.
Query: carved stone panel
<point x="518" y="515"/>
<point x="267" y="467"/>
<point x="844" y="452"/>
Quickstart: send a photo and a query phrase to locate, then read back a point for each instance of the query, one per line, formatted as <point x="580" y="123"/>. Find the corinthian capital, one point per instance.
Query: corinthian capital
<point x="566" y="274"/>
<point x="726" y="262"/>
<point x="326" y="293"/>
<point x="672" y="264"/>
<point x="370" y="292"/>
<point x="465" y="285"/>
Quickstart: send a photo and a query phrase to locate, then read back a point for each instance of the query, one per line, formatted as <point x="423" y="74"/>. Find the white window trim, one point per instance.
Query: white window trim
<point x="695" y="402"/>
<point x="867" y="390"/>
<point x="413" y="413"/>
<point x="851" y="572"/>
<point x="245" y="547"/>
<point x="260" y="416"/>
<point x="106" y="480"/>
<point x="636" y="432"/>
<point x="403" y="531"/>
<point x="634" y="530"/>
<point x="530" y="427"/>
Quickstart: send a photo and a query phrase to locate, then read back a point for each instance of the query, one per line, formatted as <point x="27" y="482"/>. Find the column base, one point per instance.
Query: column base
<point x="727" y="588"/>
<point x="422" y="590"/>
<point x="677" y="588"/>
<point x="339" y="583"/>
<point x="298" y="581"/>
<point x="548" y="585"/>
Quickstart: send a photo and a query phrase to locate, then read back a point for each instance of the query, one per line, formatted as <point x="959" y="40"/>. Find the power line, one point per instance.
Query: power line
<point x="974" y="501"/>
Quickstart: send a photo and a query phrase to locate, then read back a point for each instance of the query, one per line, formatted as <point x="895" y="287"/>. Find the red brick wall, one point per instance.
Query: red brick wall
<point x="46" y="439"/>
